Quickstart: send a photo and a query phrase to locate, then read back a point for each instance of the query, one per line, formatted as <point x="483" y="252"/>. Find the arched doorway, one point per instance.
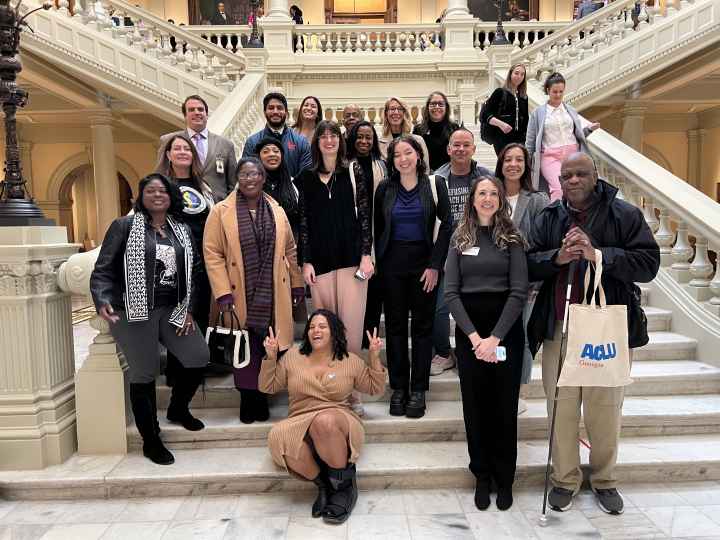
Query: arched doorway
<point x="77" y="207"/>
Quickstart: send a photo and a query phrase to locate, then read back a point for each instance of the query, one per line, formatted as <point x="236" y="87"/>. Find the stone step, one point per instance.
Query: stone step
<point x="224" y="471"/>
<point x="642" y="416"/>
<point x="667" y="377"/>
<point x="659" y="320"/>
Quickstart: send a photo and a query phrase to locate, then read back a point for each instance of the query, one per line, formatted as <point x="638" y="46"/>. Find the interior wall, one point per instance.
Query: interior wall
<point x="674" y="147"/>
<point x="711" y="162"/>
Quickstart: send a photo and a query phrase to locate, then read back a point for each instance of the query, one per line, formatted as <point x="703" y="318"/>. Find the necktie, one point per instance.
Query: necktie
<point x="200" y="147"/>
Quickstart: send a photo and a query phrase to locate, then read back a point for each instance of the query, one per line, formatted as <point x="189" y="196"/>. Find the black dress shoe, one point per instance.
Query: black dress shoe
<point x="416" y="405"/>
<point x="504" y="498"/>
<point x="482" y="495"/>
<point x="398" y="402"/>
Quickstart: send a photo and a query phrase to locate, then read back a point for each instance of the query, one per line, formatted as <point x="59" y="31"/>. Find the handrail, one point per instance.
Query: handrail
<point x="379" y="27"/>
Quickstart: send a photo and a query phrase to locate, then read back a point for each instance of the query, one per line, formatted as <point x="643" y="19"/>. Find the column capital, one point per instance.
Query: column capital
<point x="457" y="9"/>
<point x="635" y="108"/>
<point x="278" y="11"/>
<point x="101" y="118"/>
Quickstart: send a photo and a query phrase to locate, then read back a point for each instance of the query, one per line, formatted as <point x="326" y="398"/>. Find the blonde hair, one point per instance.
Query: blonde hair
<point x="504" y="231"/>
<point x="407" y="122"/>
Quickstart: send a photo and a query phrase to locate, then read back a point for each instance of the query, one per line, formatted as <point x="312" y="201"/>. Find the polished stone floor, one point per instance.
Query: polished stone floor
<point x="690" y="510"/>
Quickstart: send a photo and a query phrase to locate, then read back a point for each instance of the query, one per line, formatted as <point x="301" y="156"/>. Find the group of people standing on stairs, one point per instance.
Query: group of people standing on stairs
<point x="404" y="223"/>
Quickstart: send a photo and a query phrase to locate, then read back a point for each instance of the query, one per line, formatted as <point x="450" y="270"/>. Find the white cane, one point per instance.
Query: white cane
<point x="563" y="338"/>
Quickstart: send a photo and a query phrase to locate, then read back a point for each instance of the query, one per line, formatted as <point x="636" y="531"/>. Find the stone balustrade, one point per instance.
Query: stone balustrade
<point x="520" y="33"/>
<point x="160" y="39"/>
<point x="365" y="38"/>
<point x="232" y="38"/>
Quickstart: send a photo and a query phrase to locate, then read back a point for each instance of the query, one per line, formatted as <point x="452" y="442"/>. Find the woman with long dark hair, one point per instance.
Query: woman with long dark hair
<point x="309" y="115"/>
<point x="486" y="288"/>
<point x="506" y="111"/>
<point x="410" y="250"/>
<point x="436" y="128"/>
<point x="513" y="170"/>
<point x="321" y="439"/>
<point x="143" y="285"/>
<point x="251" y="260"/>
<point x="363" y="149"/>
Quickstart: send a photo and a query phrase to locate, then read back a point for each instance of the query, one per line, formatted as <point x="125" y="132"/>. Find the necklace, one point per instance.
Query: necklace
<point x="329" y="185"/>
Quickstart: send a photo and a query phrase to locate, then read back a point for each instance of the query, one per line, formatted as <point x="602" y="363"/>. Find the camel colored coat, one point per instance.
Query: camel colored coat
<point x="224" y="264"/>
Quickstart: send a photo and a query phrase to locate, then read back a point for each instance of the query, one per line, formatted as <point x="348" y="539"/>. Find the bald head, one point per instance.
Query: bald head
<point x="350" y="116"/>
<point x="578" y="177"/>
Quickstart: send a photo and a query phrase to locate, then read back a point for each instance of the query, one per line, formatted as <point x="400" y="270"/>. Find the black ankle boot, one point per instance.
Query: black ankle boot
<point x="145" y="419"/>
<point x="504" y="498"/>
<point x="482" y="494"/>
<point x="398" y="402"/>
<point x="185" y="387"/>
<point x="416" y="405"/>
<point x="323" y="491"/>
<point x="247" y="406"/>
<point x="262" y="409"/>
<point x="343" y="494"/>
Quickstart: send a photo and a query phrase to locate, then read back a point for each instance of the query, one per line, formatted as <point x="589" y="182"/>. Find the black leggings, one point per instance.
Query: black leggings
<point x="490" y="391"/>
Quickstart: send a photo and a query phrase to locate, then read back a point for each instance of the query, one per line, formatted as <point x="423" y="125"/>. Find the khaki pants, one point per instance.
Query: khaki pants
<point x="602" y="412"/>
<point x="340" y="292"/>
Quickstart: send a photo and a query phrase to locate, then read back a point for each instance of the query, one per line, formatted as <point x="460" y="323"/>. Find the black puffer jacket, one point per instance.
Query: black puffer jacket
<point x="107" y="282"/>
<point x="630" y="254"/>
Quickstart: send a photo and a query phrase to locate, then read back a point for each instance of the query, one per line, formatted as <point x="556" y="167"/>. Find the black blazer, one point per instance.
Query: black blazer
<point x="107" y="281"/>
<point x="502" y="105"/>
<point x="385" y="196"/>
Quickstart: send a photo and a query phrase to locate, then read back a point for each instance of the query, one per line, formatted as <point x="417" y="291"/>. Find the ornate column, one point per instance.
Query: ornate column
<point x="695" y="158"/>
<point x="107" y="194"/>
<point x="26" y="159"/>
<point x="498" y="60"/>
<point x="37" y="358"/>
<point x="277" y="28"/>
<point x="459" y="29"/>
<point x="457" y="8"/>
<point x="633" y="123"/>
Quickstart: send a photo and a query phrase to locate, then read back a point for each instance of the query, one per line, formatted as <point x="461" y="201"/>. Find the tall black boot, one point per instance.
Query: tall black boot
<point x="321" y="481"/>
<point x="262" y="410"/>
<point x="343" y="494"/>
<point x="247" y="406"/>
<point x="153" y="401"/>
<point x="172" y="368"/>
<point x="185" y="387"/>
<point x="145" y="420"/>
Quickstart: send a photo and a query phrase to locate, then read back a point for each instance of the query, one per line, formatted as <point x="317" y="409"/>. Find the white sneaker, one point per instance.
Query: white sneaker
<point x="356" y="404"/>
<point x="440" y="364"/>
<point x="522" y="406"/>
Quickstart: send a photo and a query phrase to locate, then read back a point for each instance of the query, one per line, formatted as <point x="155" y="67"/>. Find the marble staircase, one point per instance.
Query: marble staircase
<point x="671" y="429"/>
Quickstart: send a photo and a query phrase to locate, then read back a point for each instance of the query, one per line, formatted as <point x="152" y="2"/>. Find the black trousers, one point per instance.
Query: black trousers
<point x="402" y="266"/>
<point x="490" y="392"/>
<point x="373" y="307"/>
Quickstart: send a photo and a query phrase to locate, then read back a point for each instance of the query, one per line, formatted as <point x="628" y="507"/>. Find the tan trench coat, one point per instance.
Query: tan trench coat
<point x="224" y="264"/>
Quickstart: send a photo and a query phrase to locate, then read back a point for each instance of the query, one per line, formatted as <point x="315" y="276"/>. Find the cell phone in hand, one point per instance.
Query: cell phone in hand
<point x="360" y="275"/>
<point x="500" y="353"/>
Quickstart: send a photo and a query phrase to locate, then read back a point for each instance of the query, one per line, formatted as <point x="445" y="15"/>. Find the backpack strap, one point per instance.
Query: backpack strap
<point x="351" y="169"/>
<point x="433" y="189"/>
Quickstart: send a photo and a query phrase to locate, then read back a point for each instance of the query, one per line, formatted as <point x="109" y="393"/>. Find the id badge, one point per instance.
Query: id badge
<point x="219" y="165"/>
<point x="472" y="251"/>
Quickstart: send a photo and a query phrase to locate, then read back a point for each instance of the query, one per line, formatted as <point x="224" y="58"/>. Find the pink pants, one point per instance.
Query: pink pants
<point x="550" y="162"/>
<point x="338" y="291"/>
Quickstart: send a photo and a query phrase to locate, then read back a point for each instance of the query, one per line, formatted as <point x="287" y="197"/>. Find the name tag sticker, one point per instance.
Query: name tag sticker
<point x="219" y="165"/>
<point x="471" y="251"/>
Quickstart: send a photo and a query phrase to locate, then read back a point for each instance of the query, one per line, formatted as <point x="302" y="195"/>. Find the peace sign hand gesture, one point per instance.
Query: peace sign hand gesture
<point x="375" y="343"/>
<point x="271" y="345"/>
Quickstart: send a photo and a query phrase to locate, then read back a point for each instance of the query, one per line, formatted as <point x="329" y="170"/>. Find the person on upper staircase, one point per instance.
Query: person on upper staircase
<point x="589" y="216"/>
<point x="506" y="111"/>
<point x="297" y="148"/>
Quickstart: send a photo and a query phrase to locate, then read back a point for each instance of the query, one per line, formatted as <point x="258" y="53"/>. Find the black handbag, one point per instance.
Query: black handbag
<point x="229" y="347"/>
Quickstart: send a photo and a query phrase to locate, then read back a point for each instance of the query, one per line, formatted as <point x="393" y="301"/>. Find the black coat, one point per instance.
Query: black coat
<point x="501" y="105"/>
<point x="630" y="254"/>
<point x="107" y="281"/>
<point x="385" y="196"/>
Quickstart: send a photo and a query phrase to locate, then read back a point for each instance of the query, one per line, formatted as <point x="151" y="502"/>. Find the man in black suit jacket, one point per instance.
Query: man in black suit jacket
<point x="220" y="16"/>
<point x="217" y="153"/>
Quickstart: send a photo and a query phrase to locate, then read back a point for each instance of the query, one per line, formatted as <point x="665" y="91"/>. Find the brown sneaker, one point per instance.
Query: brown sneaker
<point x="440" y="364"/>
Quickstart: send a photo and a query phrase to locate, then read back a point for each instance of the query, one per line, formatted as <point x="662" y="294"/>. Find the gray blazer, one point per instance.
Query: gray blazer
<point x="529" y="205"/>
<point x="219" y="149"/>
<point x="533" y="138"/>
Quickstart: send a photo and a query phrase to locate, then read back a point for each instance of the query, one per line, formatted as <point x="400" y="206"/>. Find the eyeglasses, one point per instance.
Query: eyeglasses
<point x="249" y="176"/>
<point x="436" y="105"/>
<point x="396" y="109"/>
<point x="329" y="136"/>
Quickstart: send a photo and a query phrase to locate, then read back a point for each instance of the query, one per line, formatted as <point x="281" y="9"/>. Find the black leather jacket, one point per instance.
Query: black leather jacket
<point x="107" y="282"/>
<point x="385" y="196"/>
<point x="630" y="254"/>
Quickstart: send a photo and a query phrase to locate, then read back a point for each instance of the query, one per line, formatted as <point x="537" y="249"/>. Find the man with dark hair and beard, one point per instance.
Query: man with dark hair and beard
<point x="297" y="149"/>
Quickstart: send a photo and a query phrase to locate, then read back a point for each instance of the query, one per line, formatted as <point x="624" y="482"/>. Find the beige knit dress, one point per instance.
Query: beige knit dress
<point x="309" y="396"/>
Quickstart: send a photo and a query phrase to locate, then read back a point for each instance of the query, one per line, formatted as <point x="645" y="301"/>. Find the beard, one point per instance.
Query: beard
<point x="276" y="125"/>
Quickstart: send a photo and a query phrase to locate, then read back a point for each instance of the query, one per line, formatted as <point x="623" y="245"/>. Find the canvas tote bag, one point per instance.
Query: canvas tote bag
<point x="597" y="351"/>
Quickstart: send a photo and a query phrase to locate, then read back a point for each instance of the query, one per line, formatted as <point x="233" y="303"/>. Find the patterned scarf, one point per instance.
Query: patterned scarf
<point x="136" y="294"/>
<point x="257" y="242"/>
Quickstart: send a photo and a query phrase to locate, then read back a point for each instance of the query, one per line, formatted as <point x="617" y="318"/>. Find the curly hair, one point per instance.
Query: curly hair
<point x="337" y="334"/>
<point x="392" y="173"/>
<point x="448" y="125"/>
<point x="407" y="119"/>
<point x="176" y="204"/>
<point x="504" y="231"/>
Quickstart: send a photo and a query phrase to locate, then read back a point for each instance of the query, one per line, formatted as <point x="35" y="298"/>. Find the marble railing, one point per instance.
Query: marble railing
<point x="520" y="33"/>
<point x="617" y="46"/>
<point x="233" y="38"/>
<point x="375" y="38"/>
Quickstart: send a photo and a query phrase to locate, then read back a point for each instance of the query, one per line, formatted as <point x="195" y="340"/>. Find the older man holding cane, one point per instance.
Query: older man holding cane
<point x="588" y="217"/>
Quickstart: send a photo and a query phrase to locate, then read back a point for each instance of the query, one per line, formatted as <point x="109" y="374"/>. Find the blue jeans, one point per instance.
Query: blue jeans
<point x="441" y="324"/>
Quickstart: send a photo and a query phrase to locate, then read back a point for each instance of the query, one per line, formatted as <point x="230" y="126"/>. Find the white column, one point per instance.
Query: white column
<point x="457" y="8"/>
<point x="278" y="10"/>
<point x="37" y="358"/>
<point x="695" y="157"/>
<point x="633" y="123"/>
<point x="107" y="194"/>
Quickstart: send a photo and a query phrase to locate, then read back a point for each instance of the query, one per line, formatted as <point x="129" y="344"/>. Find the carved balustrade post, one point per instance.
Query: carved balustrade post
<point x="701" y="269"/>
<point x="682" y="251"/>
